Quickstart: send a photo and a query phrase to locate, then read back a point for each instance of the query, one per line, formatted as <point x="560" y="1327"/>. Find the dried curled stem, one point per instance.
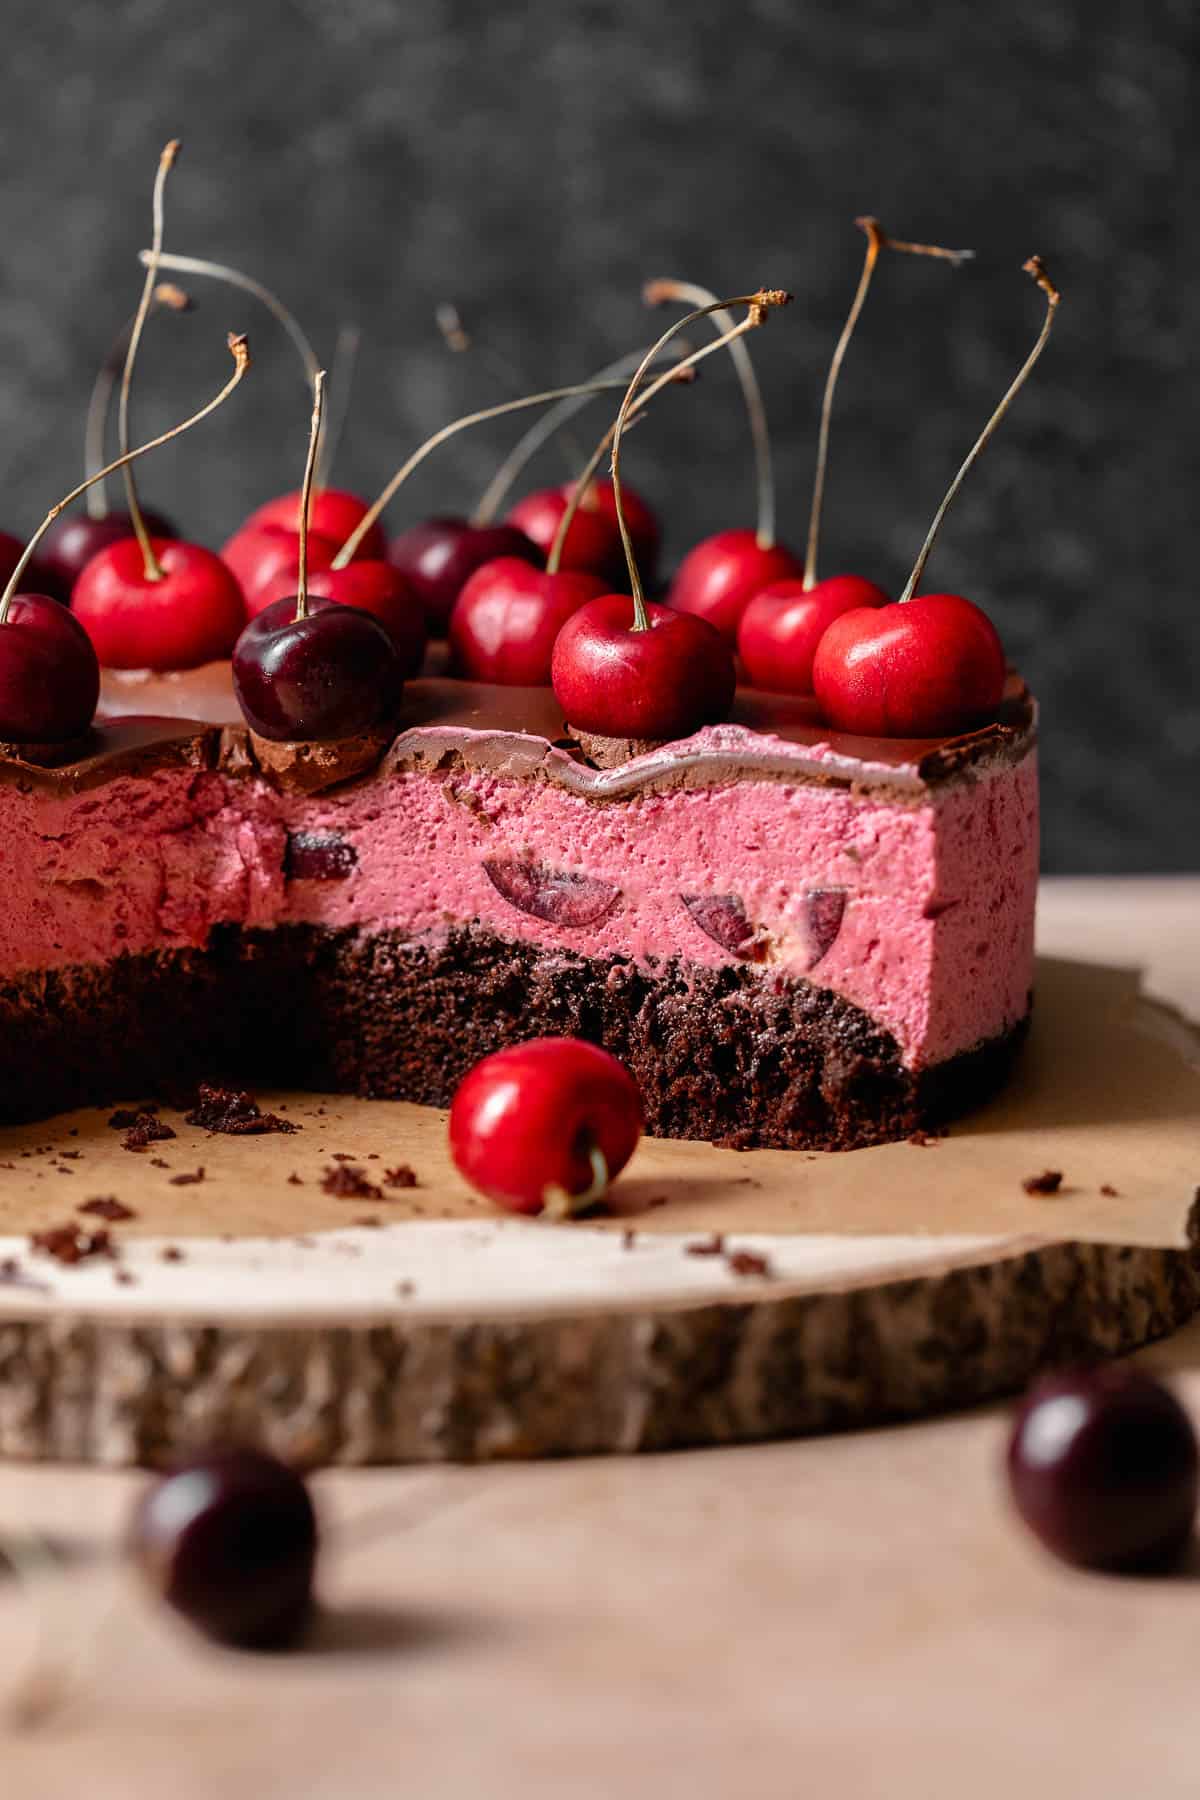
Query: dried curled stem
<point x="166" y="162"/>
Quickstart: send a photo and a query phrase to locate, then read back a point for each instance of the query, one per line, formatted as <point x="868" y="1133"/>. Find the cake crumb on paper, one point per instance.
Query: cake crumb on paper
<point x="1048" y="1182"/>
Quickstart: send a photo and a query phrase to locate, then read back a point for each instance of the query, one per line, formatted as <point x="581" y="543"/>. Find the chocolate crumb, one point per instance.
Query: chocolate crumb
<point x="172" y="1253"/>
<point x="1048" y="1182"/>
<point x="295" y="1180"/>
<point x="146" y="1129"/>
<point x="656" y="1200"/>
<point x="72" y="1243"/>
<point x="342" y="1155"/>
<point x="747" y="1262"/>
<point x="107" y="1206"/>
<point x="400" y="1177"/>
<point x="348" y="1182"/>
<point x="369" y="1223"/>
<point x="922" y="1140"/>
<point x="126" y="1277"/>
<point x="12" y="1274"/>
<point x="125" y="1116"/>
<point x="712" y="1246"/>
<point x="405" y="1288"/>
<point x="234" y="1112"/>
<point x="71" y="1155"/>
<point x="74" y="1131"/>
<point x="186" y="1180"/>
<point x="1109" y="1191"/>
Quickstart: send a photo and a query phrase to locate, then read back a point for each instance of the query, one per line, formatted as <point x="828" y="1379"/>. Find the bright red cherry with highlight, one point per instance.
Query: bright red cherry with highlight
<point x="374" y="587"/>
<point x="191" y="615"/>
<point x="74" y="539"/>
<point x="929" y="667"/>
<point x="437" y="556"/>
<point x="782" y="626"/>
<point x="332" y="513"/>
<point x="507" y="617"/>
<point x="545" y="1126"/>
<point x="664" y="681"/>
<point x="331" y="674"/>
<point x="257" y="555"/>
<point x="49" y="674"/>
<point x="720" y="576"/>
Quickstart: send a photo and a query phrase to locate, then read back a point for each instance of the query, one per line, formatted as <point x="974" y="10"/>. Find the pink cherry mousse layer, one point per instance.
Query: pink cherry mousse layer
<point x="913" y="902"/>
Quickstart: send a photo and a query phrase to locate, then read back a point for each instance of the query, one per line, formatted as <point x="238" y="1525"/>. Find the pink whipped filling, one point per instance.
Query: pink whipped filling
<point x="919" y="913"/>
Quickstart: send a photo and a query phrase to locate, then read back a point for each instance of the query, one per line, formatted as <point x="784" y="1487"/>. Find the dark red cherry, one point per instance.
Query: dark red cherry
<point x="257" y="554"/>
<point x="545" y="1125"/>
<point x="507" y="617"/>
<point x="593" y="541"/>
<point x="230" y="1542"/>
<point x="49" y="675"/>
<point x="664" y="682"/>
<point x="721" y="574"/>
<point x="1102" y="1465"/>
<point x="781" y="627"/>
<point x="74" y="539"/>
<point x="928" y="667"/>
<point x="374" y="587"/>
<point x="191" y="616"/>
<point x="437" y="556"/>
<point x="322" y="678"/>
<point x="332" y="512"/>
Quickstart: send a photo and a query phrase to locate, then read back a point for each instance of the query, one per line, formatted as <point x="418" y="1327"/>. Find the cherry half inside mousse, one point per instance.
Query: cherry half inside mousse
<point x="721" y="573"/>
<point x="146" y="602"/>
<point x="631" y="670"/>
<point x="49" y="670"/>
<point x="309" y="669"/>
<point x="931" y="665"/>
<point x="782" y="625"/>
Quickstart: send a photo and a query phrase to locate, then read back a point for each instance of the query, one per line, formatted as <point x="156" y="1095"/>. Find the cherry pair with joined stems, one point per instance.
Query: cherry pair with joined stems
<point x="931" y="665"/>
<point x="49" y="670"/>
<point x="633" y="670"/>
<point x="155" y="602"/>
<point x="781" y="624"/>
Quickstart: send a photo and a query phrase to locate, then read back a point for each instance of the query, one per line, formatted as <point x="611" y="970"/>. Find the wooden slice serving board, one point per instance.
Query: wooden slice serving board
<point x="419" y="1325"/>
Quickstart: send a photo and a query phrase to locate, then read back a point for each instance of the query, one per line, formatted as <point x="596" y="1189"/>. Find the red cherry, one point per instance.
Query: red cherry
<point x="437" y="556"/>
<point x="507" y="618"/>
<point x="546" y="1125"/>
<point x="664" y="682"/>
<point x="49" y="675"/>
<point x="191" y="616"/>
<point x="332" y="512"/>
<point x="722" y="573"/>
<point x="928" y="667"/>
<point x="257" y="555"/>
<point x="375" y="588"/>
<point x="74" y="539"/>
<point x="328" y="676"/>
<point x="782" y="626"/>
<point x="593" y="541"/>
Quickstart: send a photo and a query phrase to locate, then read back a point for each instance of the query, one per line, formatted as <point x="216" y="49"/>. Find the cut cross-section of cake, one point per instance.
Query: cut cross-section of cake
<point x="790" y="936"/>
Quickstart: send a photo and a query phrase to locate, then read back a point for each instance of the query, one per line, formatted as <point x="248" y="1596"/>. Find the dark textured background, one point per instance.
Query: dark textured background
<point x="536" y="163"/>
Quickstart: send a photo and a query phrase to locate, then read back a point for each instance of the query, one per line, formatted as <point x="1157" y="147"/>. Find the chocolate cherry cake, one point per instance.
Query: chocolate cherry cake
<point x="790" y="935"/>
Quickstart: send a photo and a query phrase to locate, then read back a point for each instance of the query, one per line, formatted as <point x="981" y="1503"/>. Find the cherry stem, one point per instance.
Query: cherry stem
<point x="759" y="305"/>
<point x="240" y="351"/>
<point x="877" y="240"/>
<point x="684" y="370"/>
<point x="196" y="265"/>
<point x="659" y="293"/>
<point x="153" y="568"/>
<point x="558" y="1204"/>
<point x="348" y="549"/>
<point x="167" y="295"/>
<point x="539" y="433"/>
<point x="306" y="488"/>
<point x="1035" y="268"/>
<point x="345" y="361"/>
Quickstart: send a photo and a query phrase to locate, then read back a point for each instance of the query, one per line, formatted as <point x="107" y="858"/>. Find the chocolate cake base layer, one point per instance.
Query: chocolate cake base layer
<point x="738" y="1055"/>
